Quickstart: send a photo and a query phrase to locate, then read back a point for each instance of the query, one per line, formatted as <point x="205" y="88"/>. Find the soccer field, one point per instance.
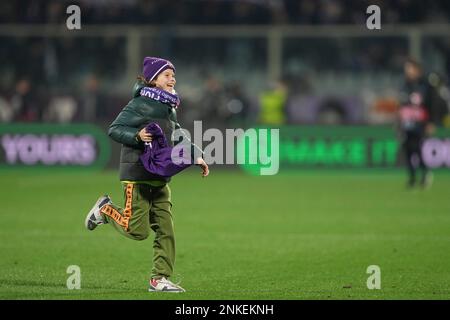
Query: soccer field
<point x="302" y="235"/>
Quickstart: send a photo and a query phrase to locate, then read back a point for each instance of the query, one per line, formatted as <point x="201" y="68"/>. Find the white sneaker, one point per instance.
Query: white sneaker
<point x="94" y="217"/>
<point x="164" y="285"/>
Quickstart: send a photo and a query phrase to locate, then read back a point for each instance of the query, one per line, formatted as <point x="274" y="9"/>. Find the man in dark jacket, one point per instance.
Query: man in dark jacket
<point x="415" y="123"/>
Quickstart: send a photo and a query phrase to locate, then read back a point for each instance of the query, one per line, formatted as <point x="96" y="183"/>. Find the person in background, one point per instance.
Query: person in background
<point x="416" y="81"/>
<point x="24" y="103"/>
<point x="414" y="121"/>
<point x="273" y="103"/>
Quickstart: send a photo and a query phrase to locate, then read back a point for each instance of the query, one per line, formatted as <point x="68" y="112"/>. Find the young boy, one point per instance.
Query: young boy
<point x="147" y="196"/>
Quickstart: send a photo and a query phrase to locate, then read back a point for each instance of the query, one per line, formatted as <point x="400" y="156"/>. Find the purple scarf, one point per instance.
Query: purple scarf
<point x="157" y="156"/>
<point x="160" y="95"/>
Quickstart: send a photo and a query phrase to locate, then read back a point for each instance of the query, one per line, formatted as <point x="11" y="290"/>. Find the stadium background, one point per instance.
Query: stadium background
<point x="310" y="68"/>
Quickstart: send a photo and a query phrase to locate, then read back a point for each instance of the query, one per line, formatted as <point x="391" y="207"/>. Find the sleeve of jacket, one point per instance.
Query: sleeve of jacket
<point x="125" y="128"/>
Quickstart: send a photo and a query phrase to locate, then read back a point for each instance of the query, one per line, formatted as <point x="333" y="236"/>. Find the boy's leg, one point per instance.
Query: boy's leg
<point x="131" y="221"/>
<point x="162" y="224"/>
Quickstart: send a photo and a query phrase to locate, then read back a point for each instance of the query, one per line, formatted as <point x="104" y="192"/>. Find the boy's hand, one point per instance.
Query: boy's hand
<point x="204" y="166"/>
<point x="144" y="136"/>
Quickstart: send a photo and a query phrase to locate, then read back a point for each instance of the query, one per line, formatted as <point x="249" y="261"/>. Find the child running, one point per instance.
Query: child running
<point x="147" y="196"/>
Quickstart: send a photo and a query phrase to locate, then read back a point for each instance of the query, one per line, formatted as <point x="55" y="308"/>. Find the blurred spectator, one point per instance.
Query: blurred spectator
<point x="147" y="12"/>
<point x="330" y="12"/>
<point x="272" y="104"/>
<point x="300" y="100"/>
<point x="247" y="12"/>
<point x="278" y="14"/>
<point x="413" y="123"/>
<point x="213" y="101"/>
<point x="24" y="102"/>
<point x="332" y="111"/>
<point x="427" y="88"/>
<point x="93" y="104"/>
<point x="238" y="106"/>
<point x="61" y="109"/>
<point x="439" y="99"/>
<point x="6" y="112"/>
<point x="56" y="12"/>
<point x="383" y="110"/>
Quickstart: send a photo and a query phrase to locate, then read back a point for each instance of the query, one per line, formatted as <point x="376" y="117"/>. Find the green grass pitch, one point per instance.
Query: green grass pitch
<point x="302" y="235"/>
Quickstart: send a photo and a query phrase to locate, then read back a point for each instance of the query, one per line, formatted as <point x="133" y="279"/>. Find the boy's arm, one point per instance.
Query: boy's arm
<point x="196" y="153"/>
<point x="125" y="128"/>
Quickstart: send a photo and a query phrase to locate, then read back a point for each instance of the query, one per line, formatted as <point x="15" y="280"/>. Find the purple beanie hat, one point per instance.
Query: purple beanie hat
<point x="153" y="66"/>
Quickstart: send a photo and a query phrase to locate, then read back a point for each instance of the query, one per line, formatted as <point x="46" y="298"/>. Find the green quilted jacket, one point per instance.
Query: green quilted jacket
<point x="139" y="112"/>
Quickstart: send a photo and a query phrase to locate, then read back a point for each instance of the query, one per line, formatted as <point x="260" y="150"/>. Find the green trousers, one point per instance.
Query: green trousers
<point x="147" y="208"/>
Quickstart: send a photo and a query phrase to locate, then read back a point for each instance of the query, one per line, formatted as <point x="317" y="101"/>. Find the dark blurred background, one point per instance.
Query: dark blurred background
<point x="239" y="63"/>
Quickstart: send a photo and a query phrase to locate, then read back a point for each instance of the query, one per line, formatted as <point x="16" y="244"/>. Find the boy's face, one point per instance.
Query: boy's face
<point x="166" y="80"/>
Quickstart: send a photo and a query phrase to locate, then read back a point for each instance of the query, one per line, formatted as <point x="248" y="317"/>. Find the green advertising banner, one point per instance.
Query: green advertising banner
<point x="53" y="145"/>
<point x="339" y="147"/>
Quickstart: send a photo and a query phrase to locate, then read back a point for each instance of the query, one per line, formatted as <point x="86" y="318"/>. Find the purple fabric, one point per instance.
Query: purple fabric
<point x="157" y="156"/>
<point x="153" y="66"/>
<point x="160" y="95"/>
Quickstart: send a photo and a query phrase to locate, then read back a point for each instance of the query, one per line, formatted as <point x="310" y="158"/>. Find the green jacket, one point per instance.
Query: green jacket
<point x="139" y="112"/>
